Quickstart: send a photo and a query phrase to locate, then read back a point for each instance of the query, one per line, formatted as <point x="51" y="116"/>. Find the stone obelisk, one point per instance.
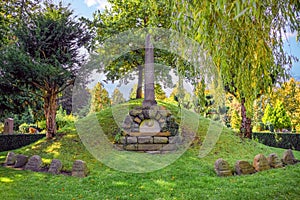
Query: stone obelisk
<point x="149" y="98"/>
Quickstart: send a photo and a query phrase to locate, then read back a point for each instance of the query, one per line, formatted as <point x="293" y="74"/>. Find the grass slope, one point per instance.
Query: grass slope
<point x="189" y="177"/>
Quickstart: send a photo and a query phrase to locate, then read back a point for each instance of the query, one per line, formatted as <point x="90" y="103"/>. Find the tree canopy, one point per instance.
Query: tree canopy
<point x="245" y="41"/>
<point x="45" y="57"/>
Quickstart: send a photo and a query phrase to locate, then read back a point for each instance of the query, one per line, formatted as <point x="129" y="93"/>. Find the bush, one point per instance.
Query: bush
<point x="279" y="140"/>
<point x="23" y="128"/>
<point x="64" y="122"/>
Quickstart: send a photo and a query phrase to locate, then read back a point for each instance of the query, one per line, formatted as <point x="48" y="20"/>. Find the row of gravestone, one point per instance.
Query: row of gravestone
<point x="260" y="163"/>
<point x="34" y="163"/>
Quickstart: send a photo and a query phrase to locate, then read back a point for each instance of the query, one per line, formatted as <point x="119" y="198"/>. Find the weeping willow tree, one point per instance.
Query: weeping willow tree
<point x="245" y="40"/>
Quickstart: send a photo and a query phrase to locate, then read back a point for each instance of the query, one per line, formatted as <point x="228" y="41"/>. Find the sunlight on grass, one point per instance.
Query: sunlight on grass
<point x="54" y="149"/>
<point x="46" y="161"/>
<point x="6" y="180"/>
<point x="189" y="177"/>
<point x="163" y="183"/>
<point x="120" y="183"/>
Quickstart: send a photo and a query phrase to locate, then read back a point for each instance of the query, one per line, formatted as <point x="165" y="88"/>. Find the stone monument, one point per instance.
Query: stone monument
<point x="288" y="157"/>
<point x="34" y="163"/>
<point x="8" y="126"/>
<point x="79" y="169"/>
<point x="222" y="168"/>
<point x="274" y="161"/>
<point x="243" y="167"/>
<point x="55" y="166"/>
<point x="10" y="158"/>
<point x="21" y="161"/>
<point x="149" y="98"/>
<point x="260" y="163"/>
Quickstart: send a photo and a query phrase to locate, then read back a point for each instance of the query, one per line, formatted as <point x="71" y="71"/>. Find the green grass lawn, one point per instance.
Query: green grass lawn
<point x="189" y="177"/>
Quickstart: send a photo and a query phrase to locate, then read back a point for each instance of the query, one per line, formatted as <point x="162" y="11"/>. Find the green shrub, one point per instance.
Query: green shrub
<point x="42" y="124"/>
<point x="64" y="122"/>
<point x="23" y="128"/>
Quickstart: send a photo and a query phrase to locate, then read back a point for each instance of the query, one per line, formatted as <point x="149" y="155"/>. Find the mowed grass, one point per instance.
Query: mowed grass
<point x="189" y="177"/>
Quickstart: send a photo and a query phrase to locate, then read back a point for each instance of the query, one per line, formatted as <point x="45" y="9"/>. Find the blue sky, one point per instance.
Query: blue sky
<point x="87" y="7"/>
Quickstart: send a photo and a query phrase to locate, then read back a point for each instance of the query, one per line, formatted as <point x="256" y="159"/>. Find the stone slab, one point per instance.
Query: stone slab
<point x="34" y="163"/>
<point x="10" y="158"/>
<point x="145" y="140"/>
<point x="79" y="169"/>
<point x="131" y="140"/>
<point x="260" y="163"/>
<point x="222" y="168"/>
<point x="21" y="161"/>
<point x="160" y="140"/>
<point x="288" y="157"/>
<point x="274" y="161"/>
<point x="149" y="147"/>
<point x="55" y="166"/>
<point x="243" y="167"/>
<point x="131" y="147"/>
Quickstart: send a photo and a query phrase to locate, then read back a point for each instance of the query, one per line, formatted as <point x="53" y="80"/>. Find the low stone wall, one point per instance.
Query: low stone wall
<point x="11" y="142"/>
<point x="162" y="143"/>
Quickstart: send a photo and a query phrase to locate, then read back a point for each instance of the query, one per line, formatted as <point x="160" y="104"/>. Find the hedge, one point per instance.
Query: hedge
<point x="10" y="142"/>
<point x="279" y="140"/>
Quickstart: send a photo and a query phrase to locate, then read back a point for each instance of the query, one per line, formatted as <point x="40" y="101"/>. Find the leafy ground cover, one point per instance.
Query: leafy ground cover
<point x="189" y="177"/>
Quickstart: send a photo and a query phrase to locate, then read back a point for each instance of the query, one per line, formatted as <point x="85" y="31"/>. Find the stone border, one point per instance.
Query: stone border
<point x="260" y="163"/>
<point x="34" y="163"/>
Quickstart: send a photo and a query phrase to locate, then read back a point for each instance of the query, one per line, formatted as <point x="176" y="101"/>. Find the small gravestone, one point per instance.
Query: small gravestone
<point x="260" y="163"/>
<point x="243" y="167"/>
<point x="79" y="169"/>
<point x="55" y="166"/>
<point x="34" y="163"/>
<point x="288" y="157"/>
<point x="8" y="126"/>
<point x="274" y="161"/>
<point x="21" y="161"/>
<point x="222" y="168"/>
<point x="10" y="158"/>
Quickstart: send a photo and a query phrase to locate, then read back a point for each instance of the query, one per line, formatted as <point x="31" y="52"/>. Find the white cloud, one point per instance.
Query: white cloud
<point x="101" y="4"/>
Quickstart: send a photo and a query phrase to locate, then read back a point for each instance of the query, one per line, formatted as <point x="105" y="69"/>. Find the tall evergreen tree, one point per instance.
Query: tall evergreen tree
<point x="45" y="58"/>
<point x="100" y="98"/>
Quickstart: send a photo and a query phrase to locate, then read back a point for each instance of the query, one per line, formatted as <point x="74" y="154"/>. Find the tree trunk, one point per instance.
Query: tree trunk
<point x="139" y="90"/>
<point x="50" y="107"/>
<point x="149" y="96"/>
<point x="245" y="129"/>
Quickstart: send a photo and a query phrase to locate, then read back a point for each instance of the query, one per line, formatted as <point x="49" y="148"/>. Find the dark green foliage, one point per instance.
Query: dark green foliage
<point x="279" y="140"/>
<point x="10" y="142"/>
<point x="45" y="59"/>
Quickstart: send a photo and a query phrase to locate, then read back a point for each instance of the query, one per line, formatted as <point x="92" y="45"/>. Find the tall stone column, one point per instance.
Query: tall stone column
<point x="149" y="98"/>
